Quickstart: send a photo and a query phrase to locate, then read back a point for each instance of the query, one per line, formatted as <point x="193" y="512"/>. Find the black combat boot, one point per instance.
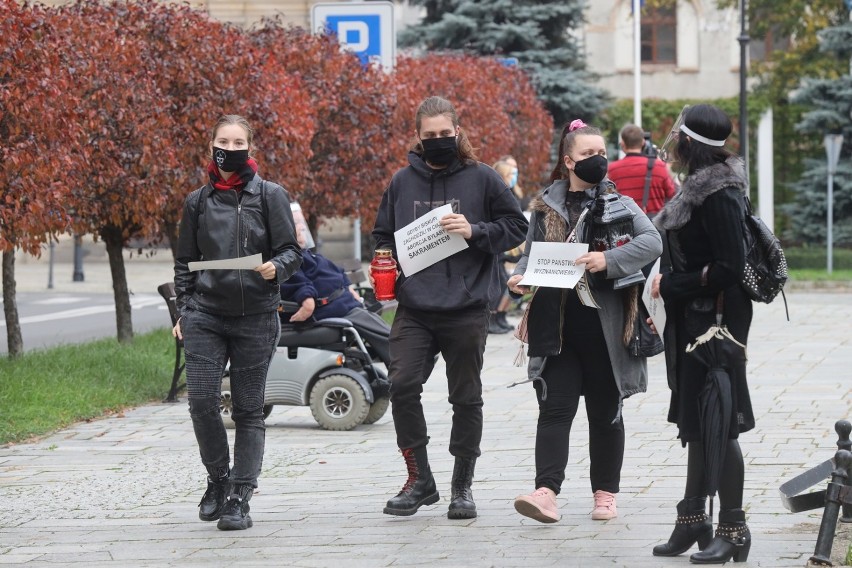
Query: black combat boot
<point x="235" y="513"/>
<point x="732" y="540"/>
<point x="462" y="505"/>
<point x="691" y="526"/>
<point x="420" y="487"/>
<point x="214" y="498"/>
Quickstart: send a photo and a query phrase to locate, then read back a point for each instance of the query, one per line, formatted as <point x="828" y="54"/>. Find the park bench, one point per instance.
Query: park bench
<point x="167" y="291"/>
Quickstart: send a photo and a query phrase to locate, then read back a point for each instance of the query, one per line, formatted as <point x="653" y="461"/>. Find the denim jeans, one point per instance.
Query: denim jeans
<point x="416" y="337"/>
<point x="248" y="342"/>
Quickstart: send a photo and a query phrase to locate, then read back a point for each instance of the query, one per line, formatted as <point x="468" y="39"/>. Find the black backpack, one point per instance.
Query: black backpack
<point x="766" y="266"/>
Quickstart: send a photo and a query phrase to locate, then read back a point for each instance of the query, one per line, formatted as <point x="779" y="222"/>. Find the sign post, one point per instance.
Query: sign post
<point x="367" y="29"/>
<point x="833" y="144"/>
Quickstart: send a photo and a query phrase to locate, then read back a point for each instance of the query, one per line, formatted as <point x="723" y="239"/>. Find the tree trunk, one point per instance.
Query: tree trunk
<point x="115" y="250"/>
<point x="170" y="229"/>
<point x="10" y="306"/>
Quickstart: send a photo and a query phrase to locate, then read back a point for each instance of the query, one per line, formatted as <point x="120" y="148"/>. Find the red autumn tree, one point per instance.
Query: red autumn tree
<point x="496" y="105"/>
<point x="33" y="169"/>
<point x="351" y="160"/>
<point x="121" y="130"/>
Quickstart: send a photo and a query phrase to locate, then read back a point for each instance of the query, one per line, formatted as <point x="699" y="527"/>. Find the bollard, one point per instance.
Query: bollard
<point x="839" y="482"/>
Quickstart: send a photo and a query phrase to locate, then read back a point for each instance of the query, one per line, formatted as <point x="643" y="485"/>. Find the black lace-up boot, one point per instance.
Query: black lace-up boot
<point x="691" y="526"/>
<point x="214" y="498"/>
<point x="235" y="513"/>
<point x="732" y="540"/>
<point x="420" y="487"/>
<point x="462" y="505"/>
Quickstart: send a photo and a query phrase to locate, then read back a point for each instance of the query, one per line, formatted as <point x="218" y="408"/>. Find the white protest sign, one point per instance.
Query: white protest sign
<point x="241" y="263"/>
<point x="655" y="306"/>
<point x="552" y="264"/>
<point x="423" y="242"/>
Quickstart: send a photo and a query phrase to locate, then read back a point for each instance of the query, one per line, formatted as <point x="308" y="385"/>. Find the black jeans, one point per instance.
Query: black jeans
<point x="416" y="337"/>
<point x="582" y="368"/>
<point x="248" y="342"/>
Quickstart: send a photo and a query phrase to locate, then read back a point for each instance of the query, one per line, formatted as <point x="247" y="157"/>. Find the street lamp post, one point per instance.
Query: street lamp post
<point x="833" y="144"/>
<point x="743" y="39"/>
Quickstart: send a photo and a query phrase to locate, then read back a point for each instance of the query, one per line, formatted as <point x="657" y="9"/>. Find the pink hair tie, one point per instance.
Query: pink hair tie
<point x="575" y="124"/>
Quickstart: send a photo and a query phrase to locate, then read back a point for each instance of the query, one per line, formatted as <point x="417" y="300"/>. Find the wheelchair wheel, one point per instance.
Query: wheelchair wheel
<point x="377" y="410"/>
<point x="338" y="403"/>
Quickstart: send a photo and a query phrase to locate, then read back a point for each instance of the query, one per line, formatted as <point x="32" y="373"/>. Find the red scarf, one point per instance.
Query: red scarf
<point x="238" y="180"/>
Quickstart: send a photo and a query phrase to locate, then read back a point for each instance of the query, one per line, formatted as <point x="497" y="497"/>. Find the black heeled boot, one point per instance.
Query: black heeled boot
<point x="732" y="540"/>
<point x="235" y="513"/>
<point x="419" y="489"/>
<point x="461" y="504"/>
<point x="691" y="526"/>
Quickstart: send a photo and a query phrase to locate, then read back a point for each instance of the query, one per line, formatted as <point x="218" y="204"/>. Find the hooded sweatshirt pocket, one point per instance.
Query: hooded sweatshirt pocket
<point x="435" y="290"/>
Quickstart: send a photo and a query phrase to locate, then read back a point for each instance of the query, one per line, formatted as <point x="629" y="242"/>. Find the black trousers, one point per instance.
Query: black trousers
<point x="416" y="337"/>
<point x="582" y="368"/>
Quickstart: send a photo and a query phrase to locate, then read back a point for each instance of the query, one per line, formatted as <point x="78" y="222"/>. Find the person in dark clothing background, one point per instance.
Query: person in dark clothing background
<point x="444" y="307"/>
<point x="629" y="173"/>
<point x="704" y="237"/>
<point x="231" y="315"/>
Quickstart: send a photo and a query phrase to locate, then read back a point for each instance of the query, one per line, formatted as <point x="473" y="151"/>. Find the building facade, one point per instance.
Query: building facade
<point x="687" y="51"/>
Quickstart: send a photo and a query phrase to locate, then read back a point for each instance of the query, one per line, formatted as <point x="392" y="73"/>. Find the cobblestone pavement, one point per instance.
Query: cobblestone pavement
<point x="123" y="491"/>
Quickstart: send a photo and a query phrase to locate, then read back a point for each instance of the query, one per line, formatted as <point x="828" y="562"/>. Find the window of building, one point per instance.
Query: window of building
<point x="659" y="35"/>
<point x="760" y="49"/>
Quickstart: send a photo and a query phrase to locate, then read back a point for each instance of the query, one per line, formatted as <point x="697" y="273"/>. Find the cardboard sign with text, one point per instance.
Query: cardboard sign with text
<point x="423" y="242"/>
<point x="552" y="264"/>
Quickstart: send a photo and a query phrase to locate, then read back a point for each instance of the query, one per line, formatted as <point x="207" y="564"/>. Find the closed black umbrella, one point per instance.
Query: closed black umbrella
<point x="717" y="350"/>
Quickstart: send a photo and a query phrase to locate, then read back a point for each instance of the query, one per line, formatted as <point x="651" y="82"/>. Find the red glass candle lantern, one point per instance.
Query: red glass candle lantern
<point x="383" y="271"/>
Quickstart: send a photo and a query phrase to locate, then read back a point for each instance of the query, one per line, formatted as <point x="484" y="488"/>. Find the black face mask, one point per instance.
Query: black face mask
<point x="592" y="169"/>
<point x="230" y="160"/>
<point x="440" y="151"/>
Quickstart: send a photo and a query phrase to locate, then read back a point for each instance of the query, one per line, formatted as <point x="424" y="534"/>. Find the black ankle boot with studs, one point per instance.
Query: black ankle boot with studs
<point x="732" y="540"/>
<point x="691" y="526"/>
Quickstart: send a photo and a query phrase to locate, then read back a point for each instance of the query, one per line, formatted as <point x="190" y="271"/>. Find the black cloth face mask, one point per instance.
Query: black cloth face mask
<point x="230" y="160"/>
<point x="440" y="151"/>
<point x="592" y="169"/>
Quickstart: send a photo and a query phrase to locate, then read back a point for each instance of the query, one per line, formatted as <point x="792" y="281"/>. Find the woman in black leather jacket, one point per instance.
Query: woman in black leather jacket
<point x="231" y="315"/>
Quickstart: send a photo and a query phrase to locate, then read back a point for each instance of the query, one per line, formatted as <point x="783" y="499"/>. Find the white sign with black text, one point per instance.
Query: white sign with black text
<point x="423" y="242"/>
<point x="655" y="306"/>
<point x="552" y="264"/>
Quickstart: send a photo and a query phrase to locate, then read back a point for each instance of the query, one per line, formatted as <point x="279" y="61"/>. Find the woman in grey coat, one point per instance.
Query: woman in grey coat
<point x="575" y="347"/>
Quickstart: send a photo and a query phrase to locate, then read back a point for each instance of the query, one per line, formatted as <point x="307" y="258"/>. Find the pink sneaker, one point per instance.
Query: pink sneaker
<point x="539" y="505"/>
<point x="605" y="508"/>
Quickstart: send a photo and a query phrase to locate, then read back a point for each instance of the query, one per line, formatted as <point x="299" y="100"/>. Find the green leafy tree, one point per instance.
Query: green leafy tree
<point x="537" y="33"/>
<point x="790" y="29"/>
<point x="830" y="101"/>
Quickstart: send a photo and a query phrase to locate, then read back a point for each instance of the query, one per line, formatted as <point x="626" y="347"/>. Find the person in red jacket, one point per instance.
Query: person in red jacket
<point x="630" y="172"/>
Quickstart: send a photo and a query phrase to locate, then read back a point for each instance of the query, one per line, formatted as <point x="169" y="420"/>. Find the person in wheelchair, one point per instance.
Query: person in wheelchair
<point x="322" y="290"/>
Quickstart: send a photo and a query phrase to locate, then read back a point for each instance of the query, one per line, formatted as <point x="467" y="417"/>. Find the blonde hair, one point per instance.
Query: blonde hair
<point x="226" y="119"/>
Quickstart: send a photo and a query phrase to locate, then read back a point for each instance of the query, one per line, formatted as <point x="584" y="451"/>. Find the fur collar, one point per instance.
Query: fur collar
<point x="698" y="187"/>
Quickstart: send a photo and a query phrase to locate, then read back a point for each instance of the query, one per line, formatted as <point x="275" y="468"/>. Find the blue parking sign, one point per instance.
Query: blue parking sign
<point x="364" y="28"/>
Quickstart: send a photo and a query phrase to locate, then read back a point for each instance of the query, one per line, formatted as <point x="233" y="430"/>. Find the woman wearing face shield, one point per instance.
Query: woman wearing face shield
<point x="703" y="227"/>
<point x="578" y="341"/>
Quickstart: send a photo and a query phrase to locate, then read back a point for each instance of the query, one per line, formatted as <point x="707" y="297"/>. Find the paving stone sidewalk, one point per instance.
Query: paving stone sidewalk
<point x="123" y="491"/>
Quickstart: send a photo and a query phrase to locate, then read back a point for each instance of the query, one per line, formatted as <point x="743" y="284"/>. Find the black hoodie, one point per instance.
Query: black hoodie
<point x="469" y="277"/>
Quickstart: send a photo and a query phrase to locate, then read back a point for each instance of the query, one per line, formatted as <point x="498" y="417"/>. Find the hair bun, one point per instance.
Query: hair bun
<point x="575" y="124"/>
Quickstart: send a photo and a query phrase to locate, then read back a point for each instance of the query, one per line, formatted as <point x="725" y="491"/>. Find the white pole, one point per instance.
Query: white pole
<point x="829" y="215"/>
<point x="637" y="63"/>
<point x="765" y="170"/>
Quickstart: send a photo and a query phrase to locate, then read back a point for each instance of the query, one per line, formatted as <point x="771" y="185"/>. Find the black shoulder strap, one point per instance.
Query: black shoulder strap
<point x="646" y="191"/>
<point x="200" y="204"/>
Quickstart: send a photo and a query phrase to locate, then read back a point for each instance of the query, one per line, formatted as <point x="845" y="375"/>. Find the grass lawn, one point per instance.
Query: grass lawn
<point x="48" y="389"/>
